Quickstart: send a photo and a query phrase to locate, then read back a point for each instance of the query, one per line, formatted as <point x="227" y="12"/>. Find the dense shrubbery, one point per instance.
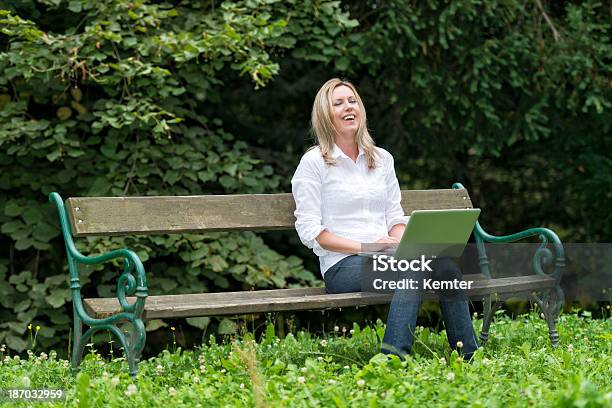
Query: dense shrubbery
<point x="518" y="368"/>
<point x="141" y="98"/>
<point x="107" y="100"/>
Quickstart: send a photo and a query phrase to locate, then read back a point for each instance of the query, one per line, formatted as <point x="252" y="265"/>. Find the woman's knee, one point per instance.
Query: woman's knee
<point x="445" y="269"/>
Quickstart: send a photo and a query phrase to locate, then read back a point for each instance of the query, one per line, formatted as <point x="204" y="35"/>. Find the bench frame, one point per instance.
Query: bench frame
<point x="133" y="283"/>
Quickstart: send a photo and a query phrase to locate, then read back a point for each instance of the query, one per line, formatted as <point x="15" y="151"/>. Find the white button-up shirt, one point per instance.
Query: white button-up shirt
<point x="347" y="199"/>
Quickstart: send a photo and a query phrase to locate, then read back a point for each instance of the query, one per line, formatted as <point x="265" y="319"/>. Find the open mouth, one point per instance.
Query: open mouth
<point x="349" y="117"/>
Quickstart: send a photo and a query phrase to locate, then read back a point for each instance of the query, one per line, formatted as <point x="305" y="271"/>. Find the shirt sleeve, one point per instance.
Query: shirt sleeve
<point x="306" y="186"/>
<point x="394" y="213"/>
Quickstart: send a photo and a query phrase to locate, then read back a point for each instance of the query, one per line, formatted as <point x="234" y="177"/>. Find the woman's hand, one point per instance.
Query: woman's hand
<point x="387" y="242"/>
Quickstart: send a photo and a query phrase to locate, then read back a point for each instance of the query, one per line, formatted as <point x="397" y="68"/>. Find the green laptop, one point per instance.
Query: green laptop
<point x="437" y="233"/>
<point x="432" y="233"/>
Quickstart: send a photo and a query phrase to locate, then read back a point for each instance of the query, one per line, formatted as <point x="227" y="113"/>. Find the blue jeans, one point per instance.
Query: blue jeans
<point x="345" y="276"/>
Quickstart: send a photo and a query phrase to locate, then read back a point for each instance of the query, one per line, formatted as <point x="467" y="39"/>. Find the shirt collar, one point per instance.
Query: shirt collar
<point x="337" y="152"/>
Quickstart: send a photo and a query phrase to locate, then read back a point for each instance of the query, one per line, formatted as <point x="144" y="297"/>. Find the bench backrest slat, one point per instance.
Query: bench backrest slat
<point x="181" y="214"/>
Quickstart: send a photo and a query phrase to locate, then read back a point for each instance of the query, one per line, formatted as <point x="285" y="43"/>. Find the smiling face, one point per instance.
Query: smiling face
<point x="345" y="110"/>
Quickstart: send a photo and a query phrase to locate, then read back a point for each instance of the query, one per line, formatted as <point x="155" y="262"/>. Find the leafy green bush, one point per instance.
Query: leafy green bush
<point x="106" y="98"/>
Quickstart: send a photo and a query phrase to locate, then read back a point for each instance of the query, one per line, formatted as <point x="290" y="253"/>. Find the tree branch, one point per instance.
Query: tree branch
<point x="556" y="34"/>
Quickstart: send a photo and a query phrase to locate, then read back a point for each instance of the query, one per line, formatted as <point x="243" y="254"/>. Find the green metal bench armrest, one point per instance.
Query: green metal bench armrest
<point x="127" y="284"/>
<point x="543" y="255"/>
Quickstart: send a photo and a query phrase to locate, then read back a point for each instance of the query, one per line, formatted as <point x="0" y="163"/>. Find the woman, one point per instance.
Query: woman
<point x="346" y="195"/>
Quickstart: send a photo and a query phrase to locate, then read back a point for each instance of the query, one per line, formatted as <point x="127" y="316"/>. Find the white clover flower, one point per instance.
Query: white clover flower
<point x="65" y="363"/>
<point x="16" y="358"/>
<point x="131" y="390"/>
<point x="331" y="381"/>
<point x="26" y="382"/>
<point x="450" y="376"/>
<point x="443" y="360"/>
<point x="304" y="369"/>
<point x="3" y="348"/>
<point x="44" y="356"/>
<point x="352" y="331"/>
<point x="323" y="343"/>
<point x="475" y="315"/>
<point x="223" y="371"/>
<point x="241" y="386"/>
<point x="159" y="369"/>
<point x="7" y="359"/>
<point x="301" y="380"/>
<point x="486" y="361"/>
<point x="361" y="383"/>
<point x="347" y="367"/>
<point x="172" y="391"/>
<point x="459" y="344"/>
<point x="115" y="381"/>
<point x="336" y="329"/>
<point x="105" y="375"/>
<point x="202" y="368"/>
<point x="320" y="358"/>
<point x="196" y="380"/>
<point x="542" y="315"/>
<point x="570" y="348"/>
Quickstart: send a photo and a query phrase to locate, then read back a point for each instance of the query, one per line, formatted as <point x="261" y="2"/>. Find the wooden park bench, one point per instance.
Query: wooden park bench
<point x="89" y="216"/>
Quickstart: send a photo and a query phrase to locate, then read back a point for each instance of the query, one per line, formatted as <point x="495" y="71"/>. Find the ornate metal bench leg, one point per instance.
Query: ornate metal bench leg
<point x="489" y="310"/>
<point x="552" y="331"/>
<point x="136" y="345"/>
<point x="77" y="344"/>
<point x="551" y="304"/>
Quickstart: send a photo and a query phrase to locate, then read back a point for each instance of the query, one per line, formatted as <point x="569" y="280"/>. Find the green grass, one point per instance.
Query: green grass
<point x="517" y="368"/>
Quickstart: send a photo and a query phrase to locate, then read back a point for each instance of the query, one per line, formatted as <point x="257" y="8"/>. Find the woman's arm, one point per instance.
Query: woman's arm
<point x="394" y="213"/>
<point x="332" y="242"/>
<point x="397" y="231"/>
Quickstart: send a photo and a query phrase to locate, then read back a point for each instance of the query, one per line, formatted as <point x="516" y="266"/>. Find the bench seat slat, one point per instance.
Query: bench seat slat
<point x="276" y="300"/>
<point x="183" y="214"/>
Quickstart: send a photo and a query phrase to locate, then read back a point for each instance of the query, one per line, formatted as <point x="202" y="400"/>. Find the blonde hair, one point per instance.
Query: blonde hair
<point x="322" y="124"/>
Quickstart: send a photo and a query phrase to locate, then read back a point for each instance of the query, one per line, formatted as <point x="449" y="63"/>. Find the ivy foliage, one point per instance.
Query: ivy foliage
<point x="107" y="99"/>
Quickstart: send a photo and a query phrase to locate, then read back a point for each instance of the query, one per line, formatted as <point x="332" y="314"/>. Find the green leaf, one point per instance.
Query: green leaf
<point x="54" y="155"/>
<point x="100" y="187"/>
<point x="15" y="343"/>
<point x="45" y="232"/>
<point x="199" y="322"/>
<point x="57" y="297"/>
<point x="32" y="215"/>
<point x="12" y="208"/>
<point x="155" y="324"/>
<point x="21" y="306"/>
<point x="227" y="326"/>
<point x="23" y="244"/>
<point x="12" y="227"/>
<point x="82" y="390"/>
